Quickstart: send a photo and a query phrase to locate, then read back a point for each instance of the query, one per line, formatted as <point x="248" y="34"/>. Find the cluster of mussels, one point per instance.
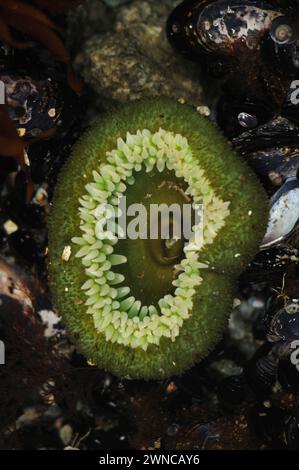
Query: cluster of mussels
<point x="250" y="49"/>
<point x="40" y="121"/>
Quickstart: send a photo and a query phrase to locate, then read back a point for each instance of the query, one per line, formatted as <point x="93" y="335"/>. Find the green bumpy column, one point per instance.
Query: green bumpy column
<point x="149" y="308"/>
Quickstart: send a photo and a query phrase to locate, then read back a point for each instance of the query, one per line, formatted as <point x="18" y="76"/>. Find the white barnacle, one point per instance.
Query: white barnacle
<point x="66" y="254"/>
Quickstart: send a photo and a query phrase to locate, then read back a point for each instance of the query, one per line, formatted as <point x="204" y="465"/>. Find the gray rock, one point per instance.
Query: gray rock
<point x="135" y="60"/>
<point x="223" y="367"/>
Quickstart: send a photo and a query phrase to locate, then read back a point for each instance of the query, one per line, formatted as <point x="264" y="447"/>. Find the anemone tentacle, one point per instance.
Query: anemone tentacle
<point x="120" y="321"/>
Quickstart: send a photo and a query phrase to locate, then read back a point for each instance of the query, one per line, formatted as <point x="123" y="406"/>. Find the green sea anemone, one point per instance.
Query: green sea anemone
<point x="150" y="308"/>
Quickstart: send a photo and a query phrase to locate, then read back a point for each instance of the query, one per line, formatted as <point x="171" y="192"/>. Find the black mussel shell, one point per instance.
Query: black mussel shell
<point x="261" y="373"/>
<point x="37" y="93"/>
<point x="284" y="213"/>
<point x="33" y="106"/>
<point x="271" y="149"/>
<point x="285" y="323"/>
<point x="209" y="26"/>
<point x="291" y="432"/>
<point x="288" y="375"/>
<point x="181" y="27"/>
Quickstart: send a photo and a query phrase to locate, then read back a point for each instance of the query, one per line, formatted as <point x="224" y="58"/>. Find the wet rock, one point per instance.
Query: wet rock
<point x="115" y="3"/>
<point x="134" y="60"/>
<point x="271" y="149"/>
<point x="224" y="368"/>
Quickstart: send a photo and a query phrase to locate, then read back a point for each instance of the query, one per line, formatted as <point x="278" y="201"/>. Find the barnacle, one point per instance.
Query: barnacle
<point x="149" y="308"/>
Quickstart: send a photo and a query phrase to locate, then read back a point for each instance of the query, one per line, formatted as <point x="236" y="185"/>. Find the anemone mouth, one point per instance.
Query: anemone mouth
<point x="116" y="313"/>
<point x="151" y="308"/>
